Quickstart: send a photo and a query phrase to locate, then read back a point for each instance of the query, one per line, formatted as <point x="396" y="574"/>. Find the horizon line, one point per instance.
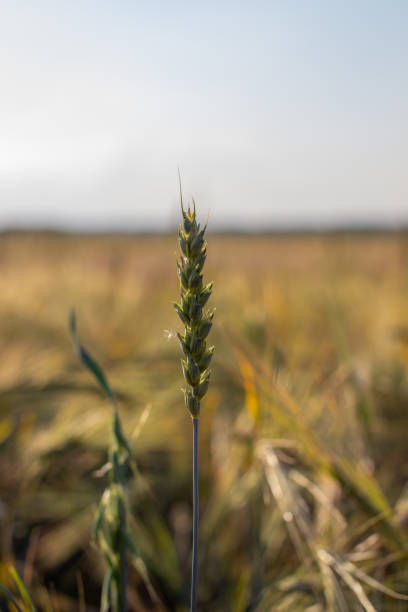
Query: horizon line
<point x="343" y="228"/>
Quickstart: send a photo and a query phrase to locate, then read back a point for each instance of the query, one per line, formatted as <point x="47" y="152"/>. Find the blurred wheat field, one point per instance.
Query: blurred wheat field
<point x="304" y="455"/>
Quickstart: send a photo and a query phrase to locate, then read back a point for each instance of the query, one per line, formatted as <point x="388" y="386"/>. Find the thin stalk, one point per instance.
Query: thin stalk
<point x="119" y="479"/>
<point x="196" y="510"/>
<point x="123" y="575"/>
<point x="122" y="605"/>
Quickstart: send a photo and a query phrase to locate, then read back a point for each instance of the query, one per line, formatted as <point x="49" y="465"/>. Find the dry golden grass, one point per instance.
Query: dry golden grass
<point x="303" y="435"/>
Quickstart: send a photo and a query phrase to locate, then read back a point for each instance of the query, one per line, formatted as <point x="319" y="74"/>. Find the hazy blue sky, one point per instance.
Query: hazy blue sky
<point x="279" y="112"/>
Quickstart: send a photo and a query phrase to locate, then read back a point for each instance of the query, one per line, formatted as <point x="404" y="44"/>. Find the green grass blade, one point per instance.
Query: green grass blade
<point x="87" y="360"/>
<point x="22" y="589"/>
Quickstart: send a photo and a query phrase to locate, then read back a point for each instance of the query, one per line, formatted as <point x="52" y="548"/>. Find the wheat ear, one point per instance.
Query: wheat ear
<point x="110" y="526"/>
<point x="196" y="361"/>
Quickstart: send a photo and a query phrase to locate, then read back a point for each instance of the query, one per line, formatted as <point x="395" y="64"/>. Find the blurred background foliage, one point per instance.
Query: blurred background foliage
<point x="304" y="455"/>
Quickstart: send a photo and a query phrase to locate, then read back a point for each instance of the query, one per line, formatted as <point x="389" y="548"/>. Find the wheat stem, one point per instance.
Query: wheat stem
<point x="196" y="511"/>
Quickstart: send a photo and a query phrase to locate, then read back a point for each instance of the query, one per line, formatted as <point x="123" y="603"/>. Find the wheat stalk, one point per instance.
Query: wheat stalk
<point x="197" y="357"/>
<point x="110" y="526"/>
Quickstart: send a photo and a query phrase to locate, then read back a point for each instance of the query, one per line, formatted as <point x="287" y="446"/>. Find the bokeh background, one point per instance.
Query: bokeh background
<point x="288" y="123"/>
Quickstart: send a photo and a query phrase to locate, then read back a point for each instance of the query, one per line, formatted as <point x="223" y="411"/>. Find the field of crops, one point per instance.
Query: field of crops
<point x="303" y="440"/>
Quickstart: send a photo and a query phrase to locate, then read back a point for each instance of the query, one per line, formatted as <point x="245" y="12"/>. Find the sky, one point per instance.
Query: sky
<point x="279" y="114"/>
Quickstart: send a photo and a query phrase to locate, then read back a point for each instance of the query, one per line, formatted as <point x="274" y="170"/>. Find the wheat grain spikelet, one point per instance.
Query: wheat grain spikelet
<point x="194" y="296"/>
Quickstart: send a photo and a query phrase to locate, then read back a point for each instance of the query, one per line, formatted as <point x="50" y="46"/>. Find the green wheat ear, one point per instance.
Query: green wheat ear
<point x="197" y="323"/>
<point x="196" y="356"/>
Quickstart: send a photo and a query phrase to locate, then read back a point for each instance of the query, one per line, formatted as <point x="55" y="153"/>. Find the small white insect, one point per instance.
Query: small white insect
<point x="169" y="334"/>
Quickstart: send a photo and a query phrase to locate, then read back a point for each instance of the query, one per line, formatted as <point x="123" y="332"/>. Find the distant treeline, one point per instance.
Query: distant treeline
<point x="231" y="231"/>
